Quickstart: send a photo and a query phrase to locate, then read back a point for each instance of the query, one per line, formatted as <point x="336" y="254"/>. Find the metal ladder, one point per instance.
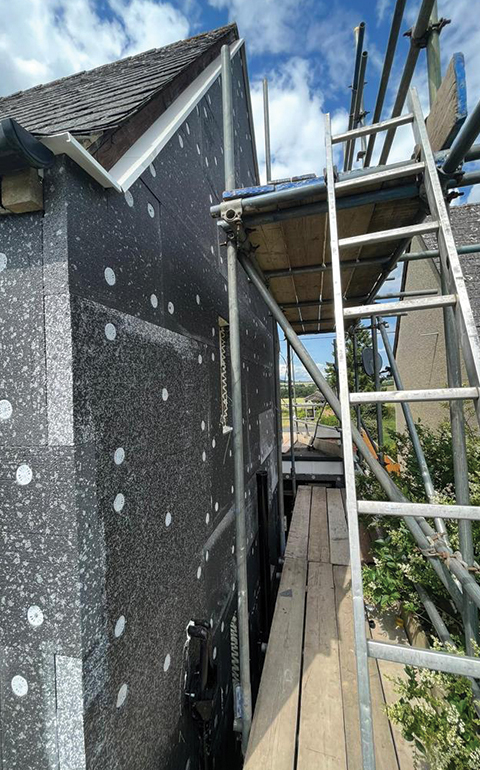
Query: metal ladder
<point x="455" y="297"/>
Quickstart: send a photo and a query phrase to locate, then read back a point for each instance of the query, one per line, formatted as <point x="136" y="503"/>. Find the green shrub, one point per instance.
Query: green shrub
<point x="435" y="711"/>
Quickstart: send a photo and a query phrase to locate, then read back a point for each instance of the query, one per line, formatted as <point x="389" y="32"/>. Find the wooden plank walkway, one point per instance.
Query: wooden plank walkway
<point x="306" y="715"/>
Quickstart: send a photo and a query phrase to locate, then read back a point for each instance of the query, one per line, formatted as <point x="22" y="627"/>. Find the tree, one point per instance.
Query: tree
<point x="365" y="383"/>
<point x="302" y="389"/>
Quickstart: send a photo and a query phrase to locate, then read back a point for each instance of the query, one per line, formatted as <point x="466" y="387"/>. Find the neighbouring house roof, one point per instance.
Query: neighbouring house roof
<point x="316" y="397"/>
<point x="104" y="98"/>
<point x="465" y="222"/>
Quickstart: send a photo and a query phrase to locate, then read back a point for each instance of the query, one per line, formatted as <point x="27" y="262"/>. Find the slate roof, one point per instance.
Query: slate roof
<point x="103" y="98"/>
<point x="465" y="221"/>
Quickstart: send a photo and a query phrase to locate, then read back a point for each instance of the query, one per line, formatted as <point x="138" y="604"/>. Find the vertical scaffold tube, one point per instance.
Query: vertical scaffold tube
<point x="355" y="378"/>
<point x="237" y="416"/>
<point x="434" y="67"/>
<point x="407" y="413"/>
<point x="266" y="122"/>
<point x="376" y="374"/>
<point x="278" y="398"/>
<point x="387" y="66"/>
<point x="291" y="420"/>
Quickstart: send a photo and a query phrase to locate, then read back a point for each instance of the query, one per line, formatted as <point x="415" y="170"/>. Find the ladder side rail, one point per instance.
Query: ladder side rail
<point x="459" y="327"/>
<point x="361" y="650"/>
<point x="469" y="341"/>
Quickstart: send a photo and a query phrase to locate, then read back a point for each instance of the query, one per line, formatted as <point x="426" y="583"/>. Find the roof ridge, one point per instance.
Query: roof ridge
<point x="465" y="205"/>
<point x="219" y="31"/>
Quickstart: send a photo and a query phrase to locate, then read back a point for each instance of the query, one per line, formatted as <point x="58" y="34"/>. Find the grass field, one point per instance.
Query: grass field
<point x="328" y="418"/>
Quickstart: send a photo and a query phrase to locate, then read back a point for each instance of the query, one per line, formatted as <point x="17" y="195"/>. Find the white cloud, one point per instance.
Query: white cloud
<point x="301" y="374"/>
<point x="332" y="41"/>
<point x="270" y="26"/>
<point x="473" y="196"/>
<point x="296" y="121"/>
<point x="382" y="6"/>
<point x="149" y="24"/>
<point x="41" y="40"/>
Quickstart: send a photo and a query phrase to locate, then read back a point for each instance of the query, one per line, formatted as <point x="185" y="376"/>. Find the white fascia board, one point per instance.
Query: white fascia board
<point x="139" y="156"/>
<point x="251" y="121"/>
<point x="66" y="144"/>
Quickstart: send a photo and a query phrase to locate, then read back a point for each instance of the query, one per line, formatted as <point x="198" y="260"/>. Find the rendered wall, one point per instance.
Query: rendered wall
<point x="420" y="348"/>
<point x="116" y="481"/>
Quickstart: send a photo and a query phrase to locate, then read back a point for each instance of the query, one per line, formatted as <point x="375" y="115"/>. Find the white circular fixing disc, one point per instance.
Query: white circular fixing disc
<point x="35" y="616"/>
<point x="6" y="409"/>
<point x="19" y="686"/>
<point x="24" y="474"/>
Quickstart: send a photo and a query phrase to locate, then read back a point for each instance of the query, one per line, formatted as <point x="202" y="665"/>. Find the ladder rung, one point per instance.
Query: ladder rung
<point x="375" y="128"/>
<point x="397" y="396"/>
<point x="437" y="660"/>
<point x="396" y="308"/>
<point x="427" y="510"/>
<point x="382" y="236"/>
<point x="379" y="176"/>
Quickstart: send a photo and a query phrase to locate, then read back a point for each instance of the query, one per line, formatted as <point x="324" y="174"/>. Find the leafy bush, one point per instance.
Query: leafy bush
<point x="436" y="712"/>
<point x="397" y="565"/>
<point x="329" y="419"/>
<point x="397" y="561"/>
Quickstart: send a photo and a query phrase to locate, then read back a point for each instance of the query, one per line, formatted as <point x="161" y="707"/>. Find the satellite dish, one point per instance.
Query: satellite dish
<point x="367" y="361"/>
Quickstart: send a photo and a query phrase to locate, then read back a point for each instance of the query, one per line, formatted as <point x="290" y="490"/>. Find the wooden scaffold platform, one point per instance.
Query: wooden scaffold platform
<point x="306" y="716"/>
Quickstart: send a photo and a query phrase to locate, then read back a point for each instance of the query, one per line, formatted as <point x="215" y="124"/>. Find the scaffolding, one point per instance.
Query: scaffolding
<point x="333" y="278"/>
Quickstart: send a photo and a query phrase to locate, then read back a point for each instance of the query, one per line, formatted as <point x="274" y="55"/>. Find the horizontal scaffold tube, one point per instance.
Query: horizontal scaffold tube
<point x="349" y="264"/>
<point x="299" y="192"/>
<point x="433" y="547"/>
<point x="254" y="208"/>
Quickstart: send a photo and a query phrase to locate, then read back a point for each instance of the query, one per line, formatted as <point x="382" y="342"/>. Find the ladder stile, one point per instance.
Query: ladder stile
<point x="366" y="725"/>
<point x="448" y="252"/>
<point x="459" y="326"/>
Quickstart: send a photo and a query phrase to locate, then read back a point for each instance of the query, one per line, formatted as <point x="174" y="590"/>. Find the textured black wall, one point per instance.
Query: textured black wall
<point x="116" y="477"/>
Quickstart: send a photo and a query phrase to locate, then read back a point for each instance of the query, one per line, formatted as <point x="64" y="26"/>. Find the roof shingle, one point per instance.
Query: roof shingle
<point x="103" y="98"/>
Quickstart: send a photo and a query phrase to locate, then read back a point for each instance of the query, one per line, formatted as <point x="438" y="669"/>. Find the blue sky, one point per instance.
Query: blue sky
<point x="304" y="47"/>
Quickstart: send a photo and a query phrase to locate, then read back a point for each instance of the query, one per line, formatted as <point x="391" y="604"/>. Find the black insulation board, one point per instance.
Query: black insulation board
<point x="116" y="476"/>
